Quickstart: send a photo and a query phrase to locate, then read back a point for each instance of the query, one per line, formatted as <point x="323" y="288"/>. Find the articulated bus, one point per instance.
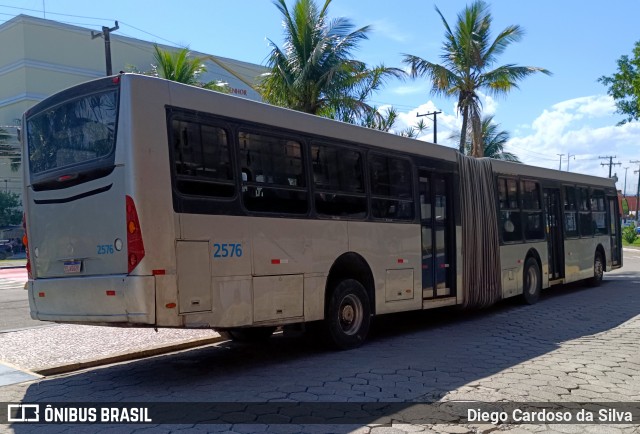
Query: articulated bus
<point x="153" y="203"/>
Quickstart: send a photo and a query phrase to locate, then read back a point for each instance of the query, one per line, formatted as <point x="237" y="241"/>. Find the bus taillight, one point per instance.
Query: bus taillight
<point x="135" y="246"/>
<point x="25" y="242"/>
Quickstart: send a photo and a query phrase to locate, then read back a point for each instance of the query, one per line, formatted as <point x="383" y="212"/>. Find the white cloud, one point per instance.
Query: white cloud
<point x="582" y="128"/>
<point x="448" y="121"/>
<point x="389" y="30"/>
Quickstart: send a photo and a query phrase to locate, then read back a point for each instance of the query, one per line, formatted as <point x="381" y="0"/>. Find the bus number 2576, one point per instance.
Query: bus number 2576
<point x="227" y="250"/>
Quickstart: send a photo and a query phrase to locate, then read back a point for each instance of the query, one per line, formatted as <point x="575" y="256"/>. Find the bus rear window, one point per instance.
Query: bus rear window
<point x="72" y="133"/>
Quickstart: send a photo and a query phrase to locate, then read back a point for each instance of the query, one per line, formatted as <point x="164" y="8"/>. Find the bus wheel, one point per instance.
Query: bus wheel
<point x="348" y="315"/>
<point x="532" y="282"/>
<point x="249" y="334"/>
<point x="598" y="270"/>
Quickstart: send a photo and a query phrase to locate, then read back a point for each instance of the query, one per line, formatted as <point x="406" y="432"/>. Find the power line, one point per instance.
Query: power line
<point x="611" y="163"/>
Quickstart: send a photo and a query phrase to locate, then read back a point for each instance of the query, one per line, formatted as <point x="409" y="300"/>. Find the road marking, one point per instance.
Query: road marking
<point x="14" y="274"/>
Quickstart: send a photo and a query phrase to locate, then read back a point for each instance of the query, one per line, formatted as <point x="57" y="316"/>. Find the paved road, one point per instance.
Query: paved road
<point x="13" y="301"/>
<point x="576" y="345"/>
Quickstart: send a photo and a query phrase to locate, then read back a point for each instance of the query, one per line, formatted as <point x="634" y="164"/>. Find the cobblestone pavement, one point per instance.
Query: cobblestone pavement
<point x="575" y="345"/>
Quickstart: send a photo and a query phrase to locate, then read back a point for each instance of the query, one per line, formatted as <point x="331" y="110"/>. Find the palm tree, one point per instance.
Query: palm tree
<point x="468" y="58"/>
<point x="314" y="72"/>
<point x="180" y="66"/>
<point x="493" y="141"/>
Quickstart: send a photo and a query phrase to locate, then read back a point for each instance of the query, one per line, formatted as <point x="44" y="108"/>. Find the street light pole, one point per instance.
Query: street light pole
<point x="435" y="123"/>
<point x="560" y="155"/>
<point x="638" y="189"/>
<point x="624" y="192"/>
<point x="106" y="33"/>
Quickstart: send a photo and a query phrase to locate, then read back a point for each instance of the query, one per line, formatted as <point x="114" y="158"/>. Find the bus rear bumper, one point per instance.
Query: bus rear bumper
<point x="112" y="300"/>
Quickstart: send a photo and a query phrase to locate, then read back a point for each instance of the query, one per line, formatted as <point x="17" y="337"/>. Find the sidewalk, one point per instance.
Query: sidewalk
<point x="55" y="349"/>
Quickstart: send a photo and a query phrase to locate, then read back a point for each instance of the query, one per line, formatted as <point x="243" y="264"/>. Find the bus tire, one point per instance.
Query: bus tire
<point x="249" y="334"/>
<point x="598" y="270"/>
<point x="348" y="315"/>
<point x="532" y="281"/>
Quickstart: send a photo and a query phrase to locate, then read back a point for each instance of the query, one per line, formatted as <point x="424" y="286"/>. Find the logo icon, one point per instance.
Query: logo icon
<point x="23" y="413"/>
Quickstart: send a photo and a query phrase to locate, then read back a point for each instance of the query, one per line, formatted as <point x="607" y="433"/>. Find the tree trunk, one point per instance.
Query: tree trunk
<point x="477" y="148"/>
<point x="463" y="132"/>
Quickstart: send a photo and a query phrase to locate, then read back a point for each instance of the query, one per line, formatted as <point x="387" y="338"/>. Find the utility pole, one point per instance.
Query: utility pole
<point x="568" y="158"/>
<point x="638" y="190"/>
<point x="560" y="155"/>
<point x="106" y="33"/>
<point x="624" y="192"/>
<point x="435" y="123"/>
<point x="611" y="163"/>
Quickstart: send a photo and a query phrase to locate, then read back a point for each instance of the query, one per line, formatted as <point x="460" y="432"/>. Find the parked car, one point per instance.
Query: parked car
<point x="6" y="249"/>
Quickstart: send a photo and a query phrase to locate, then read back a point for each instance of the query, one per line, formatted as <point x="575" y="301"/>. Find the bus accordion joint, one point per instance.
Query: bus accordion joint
<point x="135" y="246"/>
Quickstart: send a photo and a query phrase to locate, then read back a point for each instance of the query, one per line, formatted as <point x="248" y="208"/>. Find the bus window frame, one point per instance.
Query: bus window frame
<point x="366" y="193"/>
<point x="201" y="119"/>
<point x="413" y="183"/>
<point x="285" y="134"/>
<point x="500" y="210"/>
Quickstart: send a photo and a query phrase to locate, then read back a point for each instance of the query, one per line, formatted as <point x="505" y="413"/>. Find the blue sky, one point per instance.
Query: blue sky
<point x="566" y="113"/>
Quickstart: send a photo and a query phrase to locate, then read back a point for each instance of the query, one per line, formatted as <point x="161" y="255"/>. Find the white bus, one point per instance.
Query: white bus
<point x="152" y="203"/>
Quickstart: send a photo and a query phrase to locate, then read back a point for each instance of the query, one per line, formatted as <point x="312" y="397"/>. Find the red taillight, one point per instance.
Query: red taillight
<point x="25" y="241"/>
<point x="135" y="246"/>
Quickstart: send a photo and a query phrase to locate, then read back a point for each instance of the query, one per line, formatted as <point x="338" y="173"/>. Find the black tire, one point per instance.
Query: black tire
<point x="249" y="334"/>
<point x="531" y="281"/>
<point x="598" y="270"/>
<point x="348" y="315"/>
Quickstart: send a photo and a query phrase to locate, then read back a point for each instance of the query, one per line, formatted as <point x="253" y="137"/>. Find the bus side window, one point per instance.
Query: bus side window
<point x="337" y="179"/>
<point x="279" y="184"/>
<point x="599" y="212"/>
<point x="570" y="213"/>
<point x="201" y="159"/>
<point x="391" y="188"/>
<point x="510" y="214"/>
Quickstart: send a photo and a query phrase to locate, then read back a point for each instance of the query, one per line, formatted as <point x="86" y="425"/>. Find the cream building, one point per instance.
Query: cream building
<point x="40" y="57"/>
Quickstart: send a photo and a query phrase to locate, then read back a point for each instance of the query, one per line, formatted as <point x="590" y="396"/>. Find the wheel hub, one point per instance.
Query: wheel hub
<point x="348" y="314"/>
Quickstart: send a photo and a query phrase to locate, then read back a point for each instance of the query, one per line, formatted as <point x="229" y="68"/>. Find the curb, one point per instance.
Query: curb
<point x="64" y="369"/>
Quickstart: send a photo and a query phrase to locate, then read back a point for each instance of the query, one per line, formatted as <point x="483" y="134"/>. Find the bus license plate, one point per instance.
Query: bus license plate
<point x="72" y="267"/>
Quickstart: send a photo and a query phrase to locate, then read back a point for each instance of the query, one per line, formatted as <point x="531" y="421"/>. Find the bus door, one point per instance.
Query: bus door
<point x="614" y="224"/>
<point x="435" y="222"/>
<point x="555" y="245"/>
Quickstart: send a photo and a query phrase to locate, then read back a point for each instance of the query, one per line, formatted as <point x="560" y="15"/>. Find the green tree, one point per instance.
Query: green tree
<point x="493" y="141"/>
<point x="10" y="213"/>
<point x="182" y="67"/>
<point x="315" y="72"/>
<point x="624" y="86"/>
<point x="9" y="151"/>
<point x="468" y="58"/>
